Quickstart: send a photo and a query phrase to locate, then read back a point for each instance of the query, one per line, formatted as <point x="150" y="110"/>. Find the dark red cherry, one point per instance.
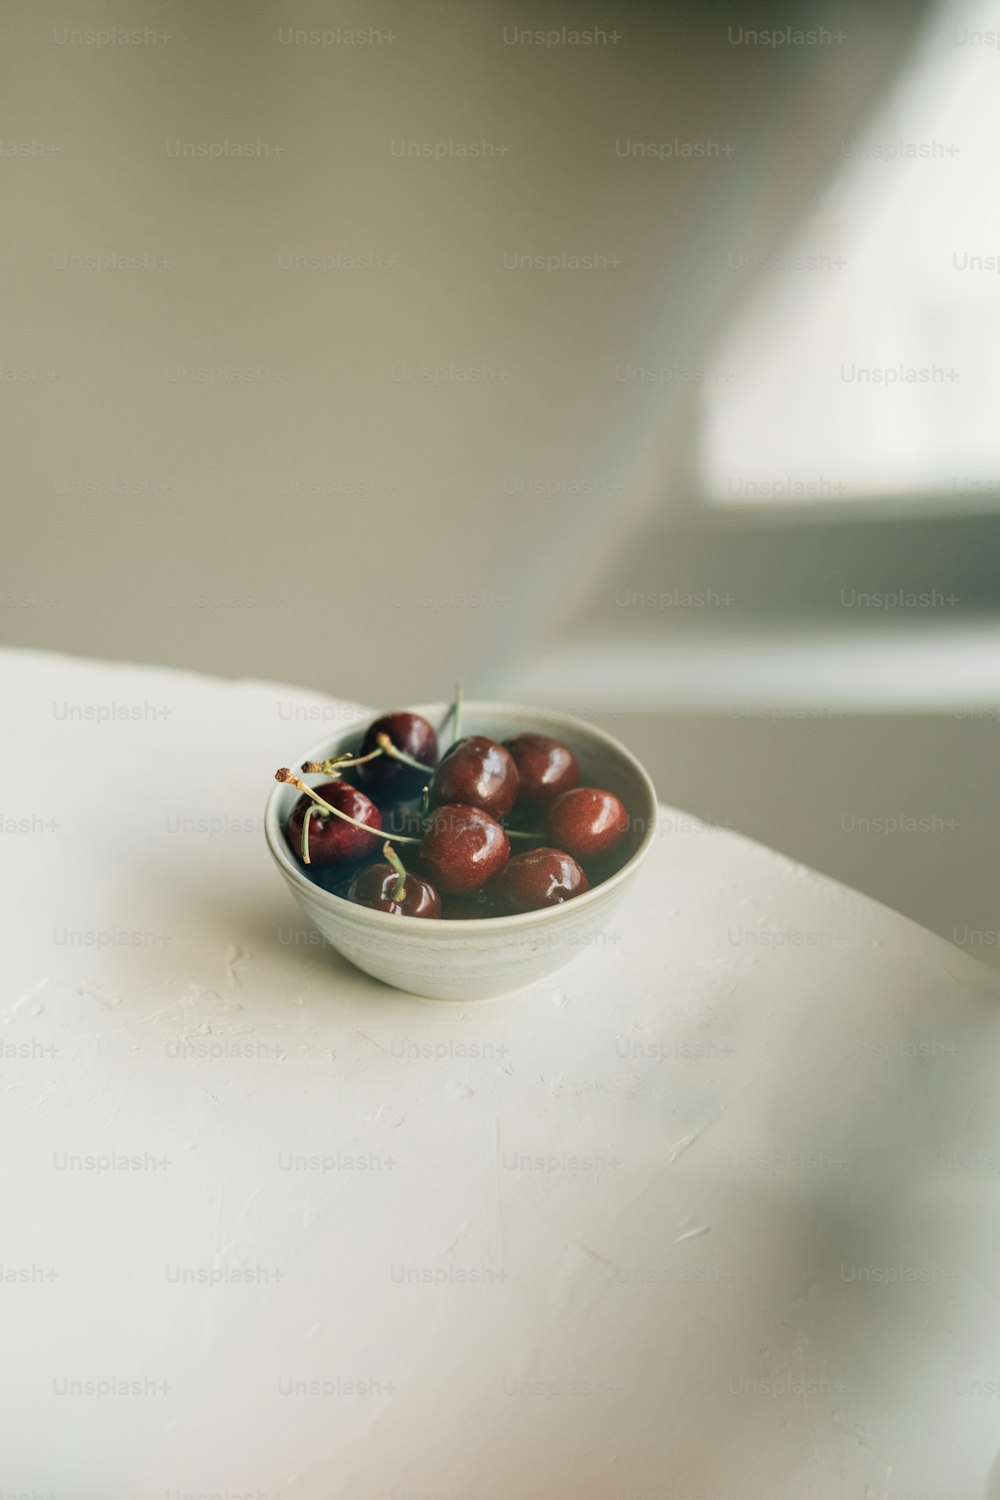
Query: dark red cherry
<point x="462" y="848"/>
<point x="374" y="886"/>
<point x="587" y="821"/>
<point x="476" y="772"/>
<point x="331" y="840"/>
<point x="336" y="878"/>
<point x="469" y="906"/>
<point x="413" y="735"/>
<point x="546" y="768"/>
<point x="539" y="877"/>
<point x="403" y="817"/>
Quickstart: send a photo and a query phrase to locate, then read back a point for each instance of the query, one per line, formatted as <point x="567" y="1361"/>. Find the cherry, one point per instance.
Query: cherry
<point x="539" y="877"/>
<point x="568" y="838"/>
<point x="476" y="772"/>
<point x="414" y="737"/>
<point x="337" y="879"/>
<point x="462" y="847"/>
<point x="546" y="768"/>
<point x="588" y="821"/>
<point x="388" y="886"/>
<point x="466" y="906"/>
<point x="403" y="817"/>
<point x="331" y="840"/>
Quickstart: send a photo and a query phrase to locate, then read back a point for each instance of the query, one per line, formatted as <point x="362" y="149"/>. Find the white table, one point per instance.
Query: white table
<point x="712" y="1214"/>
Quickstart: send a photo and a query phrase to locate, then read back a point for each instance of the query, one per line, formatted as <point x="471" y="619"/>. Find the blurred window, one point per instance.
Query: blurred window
<point x="864" y="361"/>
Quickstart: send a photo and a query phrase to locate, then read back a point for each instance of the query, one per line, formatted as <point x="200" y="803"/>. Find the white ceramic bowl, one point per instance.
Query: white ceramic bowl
<point x="472" y="960"/>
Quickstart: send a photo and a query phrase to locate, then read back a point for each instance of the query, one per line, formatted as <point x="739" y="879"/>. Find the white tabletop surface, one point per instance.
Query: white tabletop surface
<point x="713" y="1214"/>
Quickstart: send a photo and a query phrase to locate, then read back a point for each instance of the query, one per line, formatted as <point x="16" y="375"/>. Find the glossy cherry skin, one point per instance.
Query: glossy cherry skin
<point x="546" y="768"/>
<point x="462" y="848"/>
<point x="411" y="733"/>
<point x="476" y="772"/>
<point x="537" y="878"/>
<point x="587" y="822"/>
<point x="373" y="886"/>
<point x="331" y="840"/>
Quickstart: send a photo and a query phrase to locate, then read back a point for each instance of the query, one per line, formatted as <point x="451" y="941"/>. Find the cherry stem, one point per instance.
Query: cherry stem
<point x="520" y="833"/>
<point x="286" y="775"/>
<point x="399" y="889"/>
<point x="310" y="813"/>
<point x="343" y="762"/>
<point x="393" y="751"/>
<point x="457" y="726"/>
<point x="337" y="763"/>
<point x="425" y="802"/>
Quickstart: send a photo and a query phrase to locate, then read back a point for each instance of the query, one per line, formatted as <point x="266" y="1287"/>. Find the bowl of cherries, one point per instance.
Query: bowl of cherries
<point x="461" y="851"/>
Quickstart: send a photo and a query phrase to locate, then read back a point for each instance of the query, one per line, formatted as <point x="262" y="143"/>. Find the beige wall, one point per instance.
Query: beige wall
<point x="240" y="544"/>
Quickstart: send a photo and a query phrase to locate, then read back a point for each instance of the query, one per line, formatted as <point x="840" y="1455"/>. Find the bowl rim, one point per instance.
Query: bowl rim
<point x="428" y="927"/>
